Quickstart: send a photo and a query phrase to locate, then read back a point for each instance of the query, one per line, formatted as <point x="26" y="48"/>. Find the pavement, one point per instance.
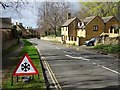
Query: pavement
<point x="75" y="68"/>
<point x="9" y="59"/>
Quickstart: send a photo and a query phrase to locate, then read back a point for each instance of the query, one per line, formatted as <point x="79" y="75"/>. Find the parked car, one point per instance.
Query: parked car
<point x="90" y="42"/>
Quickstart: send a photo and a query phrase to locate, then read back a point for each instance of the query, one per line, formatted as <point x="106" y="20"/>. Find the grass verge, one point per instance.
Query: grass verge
<point x="108" y="48"/>
<point x="33" y="84"/>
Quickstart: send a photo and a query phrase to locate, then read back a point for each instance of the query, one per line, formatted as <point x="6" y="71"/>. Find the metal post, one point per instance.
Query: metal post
<point x="12" y="80"/>
<point x="32" y="76"/>
<point x="38" y="77"/>
<point x="17" y="78"/>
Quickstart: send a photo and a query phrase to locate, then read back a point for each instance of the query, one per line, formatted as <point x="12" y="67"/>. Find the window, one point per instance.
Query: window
<point x="69" y="38"/>
<point x="66" y="37"/>
<point x="72" y="38"/>
<point x="95" y="28"/>
<point x="111" y="29"/>
<point x="75" y="38"/>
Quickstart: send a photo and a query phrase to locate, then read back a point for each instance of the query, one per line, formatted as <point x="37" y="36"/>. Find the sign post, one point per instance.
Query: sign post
<point x="25" y="67"/>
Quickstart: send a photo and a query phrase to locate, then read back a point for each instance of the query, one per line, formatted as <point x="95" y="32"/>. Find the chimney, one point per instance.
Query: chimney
<point x="20" y="24"/>
<point x="69" y="16"/>
<point x="16" y="23"/>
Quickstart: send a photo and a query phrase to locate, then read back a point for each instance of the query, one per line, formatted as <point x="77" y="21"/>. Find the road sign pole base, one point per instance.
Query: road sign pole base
<point x="32" y="77"/>
<point x="38" y="77"/>
<point x="17" y="78"/>
<point x="12" y="80"/>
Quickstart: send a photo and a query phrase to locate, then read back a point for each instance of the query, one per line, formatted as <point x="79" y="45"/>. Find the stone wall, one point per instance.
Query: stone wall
<point x="108" y="40"/>
<point x="7" y="39"/>
<point x="57" y="39"/>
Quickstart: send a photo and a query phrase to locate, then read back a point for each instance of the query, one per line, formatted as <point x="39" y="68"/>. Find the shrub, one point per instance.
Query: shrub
<point x="108" y="48"/>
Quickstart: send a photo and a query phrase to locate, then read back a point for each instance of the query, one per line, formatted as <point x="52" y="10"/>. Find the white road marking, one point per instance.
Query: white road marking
<point x="78" y="58"/>
<point x="85" y="60"/>
<point x="98" y="65"/>
<point x="57" y="48"/>
<point x="110" y="70"/>
<point x="93" y="63"/>
<point x="67" y="52"/>
<point x="64" y="51"/>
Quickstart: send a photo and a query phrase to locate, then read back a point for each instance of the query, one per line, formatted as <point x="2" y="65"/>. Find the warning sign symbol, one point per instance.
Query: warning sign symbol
<point x="25" y="67"/>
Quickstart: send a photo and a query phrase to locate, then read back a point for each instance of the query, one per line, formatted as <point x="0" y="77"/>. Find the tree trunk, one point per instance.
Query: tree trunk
<point x="55" y="32"/>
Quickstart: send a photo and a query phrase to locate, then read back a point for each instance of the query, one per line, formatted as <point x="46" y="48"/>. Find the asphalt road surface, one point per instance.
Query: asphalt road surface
<point x="74" y="68"/>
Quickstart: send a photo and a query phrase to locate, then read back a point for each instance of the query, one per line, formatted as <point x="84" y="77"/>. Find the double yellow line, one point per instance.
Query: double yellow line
<point x="52" y="75"/>
<point x="55" y="81"/>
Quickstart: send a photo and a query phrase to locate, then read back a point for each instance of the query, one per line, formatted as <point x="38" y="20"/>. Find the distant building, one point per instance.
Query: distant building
<point x="21" y="28"/>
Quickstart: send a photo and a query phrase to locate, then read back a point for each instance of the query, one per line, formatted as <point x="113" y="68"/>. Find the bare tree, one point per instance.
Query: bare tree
<point x="14" y="6"/>
<point x="52" y="15"/>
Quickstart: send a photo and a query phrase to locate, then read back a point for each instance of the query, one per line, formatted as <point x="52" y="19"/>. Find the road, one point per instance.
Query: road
<point x="74" y="68"/>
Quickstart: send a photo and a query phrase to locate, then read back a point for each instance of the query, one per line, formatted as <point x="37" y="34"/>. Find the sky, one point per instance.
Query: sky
<point x="28" y="15"/>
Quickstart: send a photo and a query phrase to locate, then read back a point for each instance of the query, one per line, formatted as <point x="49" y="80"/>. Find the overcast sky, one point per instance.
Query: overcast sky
<point x="28" y="15"/>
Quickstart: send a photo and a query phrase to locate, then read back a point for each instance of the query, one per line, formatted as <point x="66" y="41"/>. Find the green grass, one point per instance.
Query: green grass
<point x="108" y="48"/>
<point x="33" y="84"/>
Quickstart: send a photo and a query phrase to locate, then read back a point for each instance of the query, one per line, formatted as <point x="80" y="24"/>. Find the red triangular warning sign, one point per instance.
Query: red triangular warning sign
<point x="25" y="67"/>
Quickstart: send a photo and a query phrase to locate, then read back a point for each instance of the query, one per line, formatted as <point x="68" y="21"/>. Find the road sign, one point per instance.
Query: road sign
<point x="25" y="67"/>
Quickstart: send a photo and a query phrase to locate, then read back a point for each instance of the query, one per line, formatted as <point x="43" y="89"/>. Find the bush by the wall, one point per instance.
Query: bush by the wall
<point x="108" y="48"/>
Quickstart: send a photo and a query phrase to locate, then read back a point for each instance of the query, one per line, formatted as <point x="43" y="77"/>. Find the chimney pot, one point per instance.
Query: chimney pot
<point x="20" y="24"/>
<point x="69" y="16"/>
<point x="16" y="23"/>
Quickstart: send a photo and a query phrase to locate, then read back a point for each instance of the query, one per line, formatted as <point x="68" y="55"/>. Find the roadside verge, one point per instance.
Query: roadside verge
<point x="30" y="49"/>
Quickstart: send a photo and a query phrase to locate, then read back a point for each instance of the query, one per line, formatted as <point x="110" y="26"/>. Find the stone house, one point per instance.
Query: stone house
<point x="78" y="31"/>
<point x="5" y="23"/>
<point x="90" y="27"/>
<point x="21" y="28"/>
<point x="69" y="30"/>
<point x="7" y="36"/>
<point x="111" y="28"/>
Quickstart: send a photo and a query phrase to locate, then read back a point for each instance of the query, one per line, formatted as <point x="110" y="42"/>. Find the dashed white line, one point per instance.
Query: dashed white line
<point x="86" y="59"/>
<point x="93" y="63"/>
<point x="110" y="70"/>
<point x="98" y="65"/>
<point x="64" y="51"/>
<point x="78" y="58"/>
<point x="67" y="52"/>
<point x="57" y="48"/>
